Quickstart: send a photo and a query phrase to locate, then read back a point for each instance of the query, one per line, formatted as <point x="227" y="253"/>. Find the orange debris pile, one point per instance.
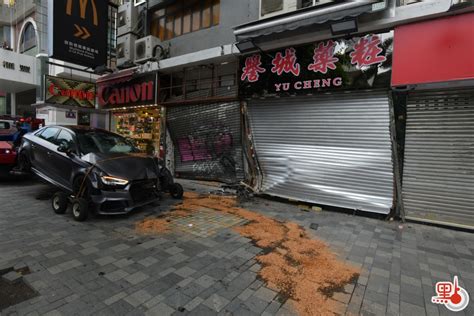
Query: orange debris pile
<point x="294" y="265"/>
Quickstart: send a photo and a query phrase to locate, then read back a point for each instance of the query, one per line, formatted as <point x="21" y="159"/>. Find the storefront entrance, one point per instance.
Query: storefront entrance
<point x="327" y="149"/>
<point x="142" y="126"/>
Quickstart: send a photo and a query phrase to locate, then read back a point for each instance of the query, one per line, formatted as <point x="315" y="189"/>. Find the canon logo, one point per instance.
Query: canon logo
<point x="126" y="95"/>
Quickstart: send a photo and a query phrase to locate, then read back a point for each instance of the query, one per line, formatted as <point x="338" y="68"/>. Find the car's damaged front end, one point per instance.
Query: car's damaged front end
<point x="122" y="183"/>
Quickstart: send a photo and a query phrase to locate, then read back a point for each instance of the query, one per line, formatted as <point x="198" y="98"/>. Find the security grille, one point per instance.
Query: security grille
<point x="438" y="179"/>
<point x="207" y="141"/>
<point x="326" y="149"/>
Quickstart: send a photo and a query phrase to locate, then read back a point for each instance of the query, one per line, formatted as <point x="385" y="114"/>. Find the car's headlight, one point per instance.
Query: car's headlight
<point x="113" y="181"/>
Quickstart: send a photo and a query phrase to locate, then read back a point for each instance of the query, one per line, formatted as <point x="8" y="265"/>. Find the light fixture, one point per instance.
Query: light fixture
<point x="246" y="46"/>
<point x="344" y="27"/>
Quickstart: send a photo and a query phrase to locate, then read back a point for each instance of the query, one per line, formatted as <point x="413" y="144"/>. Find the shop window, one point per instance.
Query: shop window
<point x="183" y="17"/>
<point x="141" y="127"/>
<point x="270" y="6"/>
<point x="28" y="40"/>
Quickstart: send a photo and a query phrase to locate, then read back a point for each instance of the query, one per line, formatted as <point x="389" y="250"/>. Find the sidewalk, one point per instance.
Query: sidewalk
<point x="103" y="267"/>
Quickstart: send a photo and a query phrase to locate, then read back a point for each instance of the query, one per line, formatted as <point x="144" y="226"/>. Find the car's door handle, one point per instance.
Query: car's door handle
<point x="49" y="153"/>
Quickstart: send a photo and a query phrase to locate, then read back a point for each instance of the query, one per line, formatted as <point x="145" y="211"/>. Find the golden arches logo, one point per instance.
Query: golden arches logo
<point x="83" y="9"/>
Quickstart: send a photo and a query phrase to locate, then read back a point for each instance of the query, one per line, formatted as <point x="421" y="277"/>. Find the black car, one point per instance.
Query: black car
<point x="98" y="168"/>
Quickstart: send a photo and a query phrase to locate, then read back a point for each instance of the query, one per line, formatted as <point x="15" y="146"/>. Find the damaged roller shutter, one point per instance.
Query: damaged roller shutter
<point x="207" y="141"/>
<point x="438" y="177"/>
<point x="326" y="149"/>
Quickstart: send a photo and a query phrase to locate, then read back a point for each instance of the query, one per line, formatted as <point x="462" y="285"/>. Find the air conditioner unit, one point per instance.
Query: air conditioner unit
<point x="144" y="48"/>
<point x="125" y="49"/>
<point x="127" y="18"/>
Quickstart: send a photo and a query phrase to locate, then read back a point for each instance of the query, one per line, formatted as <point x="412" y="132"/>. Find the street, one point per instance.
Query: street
<point x="106" y="266"/>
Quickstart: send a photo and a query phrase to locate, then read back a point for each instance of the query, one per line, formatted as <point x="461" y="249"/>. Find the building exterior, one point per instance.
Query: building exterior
<point x="353" y="105"/>
<point x="25" y="68"/>
<point x="195" y="115"/>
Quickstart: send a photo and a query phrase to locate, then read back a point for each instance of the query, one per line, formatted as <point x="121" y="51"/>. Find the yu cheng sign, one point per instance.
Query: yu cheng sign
<point x="358" y="63"/>
<point x="78" y="31"/>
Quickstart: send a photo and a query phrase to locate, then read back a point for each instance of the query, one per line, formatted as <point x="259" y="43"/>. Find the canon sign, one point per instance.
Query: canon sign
<point x="138" y="91"/>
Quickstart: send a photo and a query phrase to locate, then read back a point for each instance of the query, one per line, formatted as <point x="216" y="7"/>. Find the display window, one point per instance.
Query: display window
<point x="141" y="126"/>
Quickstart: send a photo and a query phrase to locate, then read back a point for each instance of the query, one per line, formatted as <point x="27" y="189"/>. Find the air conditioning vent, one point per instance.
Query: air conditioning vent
<point x="127" y="18"/>
<point x="144" y="48"/>
<point x="125" y="50"/>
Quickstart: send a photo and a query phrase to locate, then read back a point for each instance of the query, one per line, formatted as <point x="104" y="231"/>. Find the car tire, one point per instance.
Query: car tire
<point x="59" y="202"/>
<point x="24" y="162"/>
<point x="176" y="191"/>
<point x="80" y="209"/>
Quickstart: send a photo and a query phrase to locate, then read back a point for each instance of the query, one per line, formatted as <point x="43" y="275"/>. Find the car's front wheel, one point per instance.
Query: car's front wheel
<point x="80" y="209"/>
<point x="177" y="191"/>
<point x="59" y="202"/>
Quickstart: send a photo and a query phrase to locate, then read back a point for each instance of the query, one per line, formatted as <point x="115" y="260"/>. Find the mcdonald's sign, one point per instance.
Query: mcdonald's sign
<point x="77" y="31"/>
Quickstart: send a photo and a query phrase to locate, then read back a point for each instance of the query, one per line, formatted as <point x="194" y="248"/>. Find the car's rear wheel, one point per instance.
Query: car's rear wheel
<point x="59" y="202"/>
<point x="80" y="209"/>
<point x="24" y="162"/>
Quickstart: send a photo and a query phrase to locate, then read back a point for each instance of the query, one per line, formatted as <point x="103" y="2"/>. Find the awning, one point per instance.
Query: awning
<point x="67" y="107"/>
<point x="121" y="76"/>
<point x="301" y="18"/>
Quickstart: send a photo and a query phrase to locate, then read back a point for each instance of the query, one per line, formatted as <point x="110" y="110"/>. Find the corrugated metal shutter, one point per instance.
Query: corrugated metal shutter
<point x="438" y="176"/>
<point x="207" y="141"/>
<point x="326" y="149"/>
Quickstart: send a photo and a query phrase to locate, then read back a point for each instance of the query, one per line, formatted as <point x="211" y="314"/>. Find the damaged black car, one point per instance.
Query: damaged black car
<point x="95" y="170"/>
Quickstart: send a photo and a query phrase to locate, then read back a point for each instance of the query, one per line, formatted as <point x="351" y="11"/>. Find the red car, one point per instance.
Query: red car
<point x="7" y="158"/>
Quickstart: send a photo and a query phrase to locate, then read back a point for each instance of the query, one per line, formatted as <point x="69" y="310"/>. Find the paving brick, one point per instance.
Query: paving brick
<point x="216" y="302"/>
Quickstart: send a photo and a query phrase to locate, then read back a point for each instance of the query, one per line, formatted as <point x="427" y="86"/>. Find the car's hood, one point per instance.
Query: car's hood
<point x="126" y="166"/>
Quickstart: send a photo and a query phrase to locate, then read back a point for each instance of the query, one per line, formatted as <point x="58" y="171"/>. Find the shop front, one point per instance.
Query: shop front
<point x="433" y="62"/>
<point x="203" y="122"/>
<point x="130" y="100"/>
<point x="319" y="122"/>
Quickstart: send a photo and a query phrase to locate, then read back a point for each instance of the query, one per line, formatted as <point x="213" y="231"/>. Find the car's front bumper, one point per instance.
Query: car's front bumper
<point x="123" y="201"/>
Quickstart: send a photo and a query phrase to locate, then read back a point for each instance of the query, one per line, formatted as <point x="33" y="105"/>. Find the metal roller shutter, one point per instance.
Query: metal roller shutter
<point x="207" y="141"/>
<point x="326" y="149"/>
<point x="438" y="176"/>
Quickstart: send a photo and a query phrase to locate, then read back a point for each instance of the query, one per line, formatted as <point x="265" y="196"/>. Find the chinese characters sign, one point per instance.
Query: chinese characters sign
<point x="78" y="31"/>
<point x="358" y="63"/>
<point x="69" y="92"/>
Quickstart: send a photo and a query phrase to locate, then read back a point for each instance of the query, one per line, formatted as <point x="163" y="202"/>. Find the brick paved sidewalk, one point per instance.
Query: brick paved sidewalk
<point x="103" y="267"/>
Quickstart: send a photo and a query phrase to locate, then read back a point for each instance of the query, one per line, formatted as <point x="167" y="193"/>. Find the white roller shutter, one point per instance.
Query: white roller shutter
<point x="326" y="149"/>
<point x="438" y="176"/>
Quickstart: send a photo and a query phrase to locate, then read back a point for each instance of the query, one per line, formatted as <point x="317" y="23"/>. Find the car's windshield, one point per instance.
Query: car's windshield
<point x="103" y="142"/>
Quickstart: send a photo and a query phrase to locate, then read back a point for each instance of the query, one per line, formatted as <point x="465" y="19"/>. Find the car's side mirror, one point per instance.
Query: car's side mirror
<point x="64" y="148"/>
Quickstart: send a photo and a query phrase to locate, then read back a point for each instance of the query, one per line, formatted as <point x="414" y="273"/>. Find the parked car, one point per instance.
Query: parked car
<point x="98" y="168"/>
<point x="7" y="129"/>
<point x="7" y="158"/>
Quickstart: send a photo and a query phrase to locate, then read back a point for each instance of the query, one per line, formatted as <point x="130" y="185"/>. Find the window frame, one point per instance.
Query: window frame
<point x="180" y="9"/>
<point x="32" y="42"/>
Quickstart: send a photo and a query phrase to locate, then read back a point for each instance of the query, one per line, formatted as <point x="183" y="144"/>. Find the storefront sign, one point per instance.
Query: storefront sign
<point x="69" y="92"/>
<point x="358" y="63"/>
<point x="137" y="91"/>
<point x="78" y="31"/>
